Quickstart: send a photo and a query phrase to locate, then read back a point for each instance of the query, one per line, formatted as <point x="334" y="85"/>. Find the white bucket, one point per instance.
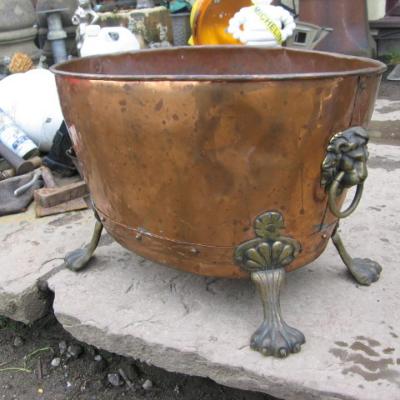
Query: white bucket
<point x="31" y="100"/>
<point x="108" y="40"/>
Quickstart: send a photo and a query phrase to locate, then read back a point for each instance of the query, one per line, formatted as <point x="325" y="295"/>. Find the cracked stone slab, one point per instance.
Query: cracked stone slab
<point x="31" y="249"/>
<point x="201" y="326"/>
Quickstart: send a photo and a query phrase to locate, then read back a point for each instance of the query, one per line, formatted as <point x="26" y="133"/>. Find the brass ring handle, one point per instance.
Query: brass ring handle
<point x="332" y="197"/>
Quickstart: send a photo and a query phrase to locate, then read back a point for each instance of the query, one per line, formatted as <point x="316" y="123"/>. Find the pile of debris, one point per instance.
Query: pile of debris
<point x="36" y="157"/>
<point x="34" y="141"/>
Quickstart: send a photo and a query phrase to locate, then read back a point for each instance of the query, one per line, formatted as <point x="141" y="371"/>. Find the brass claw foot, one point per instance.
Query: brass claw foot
<point x="274" y="337"/>
<point x="363" y="270"/>
<point x="265" y="257"/>
<point x="77" y="260"/>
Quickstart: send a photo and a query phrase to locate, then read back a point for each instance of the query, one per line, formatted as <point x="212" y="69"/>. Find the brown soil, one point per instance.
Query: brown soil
<point x="26" y="372"/>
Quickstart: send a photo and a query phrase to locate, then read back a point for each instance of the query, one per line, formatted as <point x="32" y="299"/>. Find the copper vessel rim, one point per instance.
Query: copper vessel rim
<point x="376" y="67"/>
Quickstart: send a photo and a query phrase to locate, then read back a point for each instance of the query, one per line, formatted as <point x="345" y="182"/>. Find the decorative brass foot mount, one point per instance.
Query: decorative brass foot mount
<point x="78" y="259"/>
<point x="265" y="258"/>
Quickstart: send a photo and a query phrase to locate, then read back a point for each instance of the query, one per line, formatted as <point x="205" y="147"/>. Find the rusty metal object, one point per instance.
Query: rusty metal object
<point x="349" y="21"/>
<point x="20" y="165"/>
<point x="203" y="143"/>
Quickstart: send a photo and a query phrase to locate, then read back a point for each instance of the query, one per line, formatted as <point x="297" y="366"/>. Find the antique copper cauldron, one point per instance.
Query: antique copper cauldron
<point x="223" y="161"/>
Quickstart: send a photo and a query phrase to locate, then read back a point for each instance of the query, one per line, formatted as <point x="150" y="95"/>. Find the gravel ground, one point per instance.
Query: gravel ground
<point x="43" y="361"/>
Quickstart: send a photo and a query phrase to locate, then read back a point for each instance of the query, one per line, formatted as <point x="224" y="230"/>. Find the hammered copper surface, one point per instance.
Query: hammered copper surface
<point x="182" y="149"/>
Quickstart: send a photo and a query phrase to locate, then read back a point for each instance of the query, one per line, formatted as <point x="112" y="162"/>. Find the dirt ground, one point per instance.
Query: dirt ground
<point x="26" y="373"/>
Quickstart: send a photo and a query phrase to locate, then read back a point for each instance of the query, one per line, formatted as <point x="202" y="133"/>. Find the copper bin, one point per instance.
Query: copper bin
<point x="183" y="149"/>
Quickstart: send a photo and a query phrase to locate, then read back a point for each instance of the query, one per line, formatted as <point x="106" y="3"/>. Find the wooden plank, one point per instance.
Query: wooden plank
<point x="48" y="178"/>
<point x="71" y="205"/>
<point x="50" y="197"/>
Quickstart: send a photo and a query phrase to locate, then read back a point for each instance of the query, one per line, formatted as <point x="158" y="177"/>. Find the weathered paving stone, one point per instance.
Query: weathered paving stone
<point x="385" y="122"/>
<point x="31" y="249"/>
<point x="201" y="326"/>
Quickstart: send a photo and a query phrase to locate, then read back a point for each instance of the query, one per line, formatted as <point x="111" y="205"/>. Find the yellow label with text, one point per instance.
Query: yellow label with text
<point x="269" y="24"/>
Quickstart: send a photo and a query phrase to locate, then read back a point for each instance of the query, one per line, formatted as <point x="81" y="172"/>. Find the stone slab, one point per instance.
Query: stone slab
<point x="32" y="249"/>
<point x="385" y="123"/>
<point x="201" y="326"/>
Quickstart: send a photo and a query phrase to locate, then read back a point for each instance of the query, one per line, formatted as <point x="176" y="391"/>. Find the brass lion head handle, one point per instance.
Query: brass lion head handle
<point x="344" y="166"/>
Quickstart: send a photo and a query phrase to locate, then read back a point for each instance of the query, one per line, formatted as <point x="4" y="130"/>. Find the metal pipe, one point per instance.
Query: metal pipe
<point x="24" y="188"/>
<point x="20" y="165"/>
<point x="57" y="35"/>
